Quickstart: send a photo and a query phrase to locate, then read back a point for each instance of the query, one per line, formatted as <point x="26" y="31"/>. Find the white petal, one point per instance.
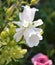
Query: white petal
<point x="22" y="16"/>
<point x="27" y="32"/>
<point x="18" y="34"/>
<point x="27" y="14"/>
<point x="29" y="43"/>
<point x="38" y="30"/>
<point x="33" y="10"/>
<point x="31" y="37"/>
<point x="19" y="29"/>
<point x="18" y="23"/>
<point x="40" y="37"/>
<point x="37" y="23"/>
<point x="33" y="40"/>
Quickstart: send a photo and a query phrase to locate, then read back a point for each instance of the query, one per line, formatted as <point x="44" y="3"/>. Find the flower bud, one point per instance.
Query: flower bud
<point x="33" y="2"/>
<point x="10" y="10"/>
<point x="12" y="29"/>
<point x="24" y="51"/>
<point x="4" y="43"/>
<point x="4" y="33"/>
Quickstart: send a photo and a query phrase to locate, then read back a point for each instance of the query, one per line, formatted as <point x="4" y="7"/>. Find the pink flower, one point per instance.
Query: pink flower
<point x="41" y="59"/>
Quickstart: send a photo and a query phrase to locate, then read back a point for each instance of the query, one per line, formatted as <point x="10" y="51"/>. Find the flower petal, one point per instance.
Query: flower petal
<point x="49" y="62"/>
<point x="18" y="23"/>
<point x="40" y="37"/>
<point x="18" y="34"/>
<point x="31" y="37"/>
<point x="38" y="30"/>
<point x="33" y="10"/>
<point x="26" y="36"/>
<point x="37" y="23"/>
<point x="27" y="14"/>
<point x="36" y="57"/>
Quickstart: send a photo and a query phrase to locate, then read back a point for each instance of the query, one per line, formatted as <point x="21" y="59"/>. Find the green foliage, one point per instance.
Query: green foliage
<point x="9" y="49"/>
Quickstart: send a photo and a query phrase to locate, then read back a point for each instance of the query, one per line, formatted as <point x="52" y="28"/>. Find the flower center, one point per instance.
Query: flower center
<point x="42" y="61"/>
<point x="27" y="24"/>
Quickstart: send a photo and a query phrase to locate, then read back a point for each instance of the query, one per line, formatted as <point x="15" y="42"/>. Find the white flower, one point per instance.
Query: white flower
<point x="27" y="28"/>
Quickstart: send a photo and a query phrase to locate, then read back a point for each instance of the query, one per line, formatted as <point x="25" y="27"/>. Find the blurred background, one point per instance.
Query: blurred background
<point x="47" y="14"/>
